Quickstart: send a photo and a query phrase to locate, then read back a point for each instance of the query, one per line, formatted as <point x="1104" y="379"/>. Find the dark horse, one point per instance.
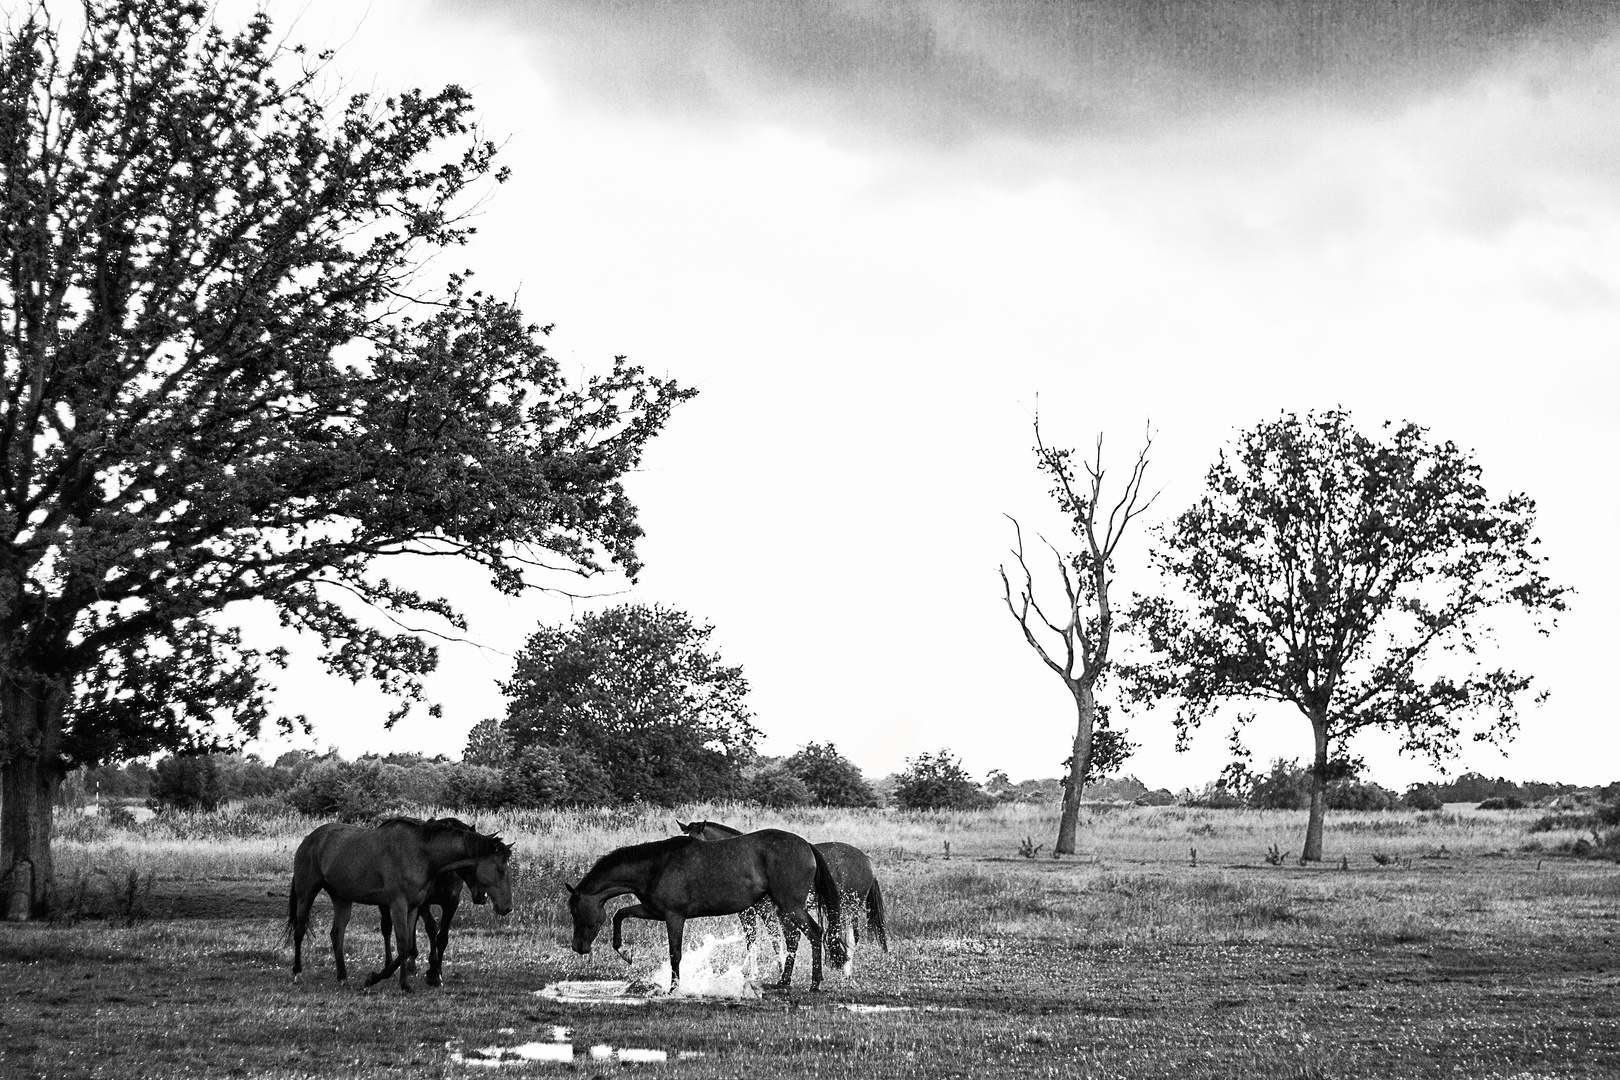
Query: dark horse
<point x="445" y="893"/>
<point x="681" y="878"/>
<point x="853" y="875"/>
<point x="393" y="866"/>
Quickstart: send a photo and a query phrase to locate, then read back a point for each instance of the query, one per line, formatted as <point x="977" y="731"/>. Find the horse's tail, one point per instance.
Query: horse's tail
<point x="292" y="909"/>
<point x="832" y="909"/>
<point x="874" y="915"/>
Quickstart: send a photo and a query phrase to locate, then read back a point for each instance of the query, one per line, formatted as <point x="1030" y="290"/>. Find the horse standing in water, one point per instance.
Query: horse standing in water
<point x="681" y="878"/>
<point x="393" y="866"/>
<point x="445" y="892"/>
<point x="852" y="873"/>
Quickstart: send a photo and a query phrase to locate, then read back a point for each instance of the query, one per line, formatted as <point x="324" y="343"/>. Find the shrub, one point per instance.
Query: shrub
<point x="535" y="778"/>
<point x="1286" y="787"/>
<point x="1159" y="797"/>
<point x="937" y="782"/>
<point x="472" y="787"/>
<point x="120" y="817"/>
<point x="247" y="777"/>
<point x="187" y="782"/>
<point x="1358" y="795"/>
<point x="1502" y="802"/>
<point x="1422" y="797"/>
<point x="1213" y="796"/>
<point x="777" y="786"/>
<point x="350" y="791"/>
<point x="830" y="778"/>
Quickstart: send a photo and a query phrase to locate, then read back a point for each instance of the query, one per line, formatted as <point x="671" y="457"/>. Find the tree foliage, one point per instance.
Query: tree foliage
<point x="224" y="380"/>
<point x="487" y="745"/>
<point x="830" y="778"/>
<point x="636" y="704"/>
<point x="937" y="782"/>
<point x="187" y="782"/>
<point x="1349" y="578"/>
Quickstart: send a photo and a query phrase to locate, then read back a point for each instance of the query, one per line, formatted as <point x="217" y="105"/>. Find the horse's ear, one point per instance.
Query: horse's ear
<point x="681" y="825"/>
<point x="570" y="888"/>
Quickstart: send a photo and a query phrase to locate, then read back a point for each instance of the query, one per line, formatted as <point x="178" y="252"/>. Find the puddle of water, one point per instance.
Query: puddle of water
<point x="715" y="969"/>
<point x="863" y="1009"/>
<point x="604" y="992"/>
<point x="628" y="1054"/>
<point x="500" y="1055"/>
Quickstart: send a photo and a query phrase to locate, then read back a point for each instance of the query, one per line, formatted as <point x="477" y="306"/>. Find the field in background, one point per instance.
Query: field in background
<point x="1452" y="943"/>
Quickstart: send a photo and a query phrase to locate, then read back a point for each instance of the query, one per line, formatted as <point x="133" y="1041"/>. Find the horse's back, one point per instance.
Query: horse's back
<point x="358" y="863"/>
<point x="850" y="868"/>
<point x="738" y="871"/>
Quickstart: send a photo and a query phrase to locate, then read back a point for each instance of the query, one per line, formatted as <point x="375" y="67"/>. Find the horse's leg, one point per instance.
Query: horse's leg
<point x="771" y="927"/>
<point x="405" y="932"/>
<point x="388" y="947"/>
<point x="438" y="938"/>
<point x="750" y="925"/>
<point x="676" y="925"/>
<point x="634" y="911"/>
<point x="341" y="910"/>
<point x="298" y="906"/>
<point x="800" y="921"/>
<point x="790" y="932"/>
<point x="848" y="933"/>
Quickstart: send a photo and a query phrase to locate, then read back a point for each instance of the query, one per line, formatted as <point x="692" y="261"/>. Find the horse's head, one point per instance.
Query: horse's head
<point x="589" y="914"/>
<point x="494" y="882"/>
<point x="469" y="876"/>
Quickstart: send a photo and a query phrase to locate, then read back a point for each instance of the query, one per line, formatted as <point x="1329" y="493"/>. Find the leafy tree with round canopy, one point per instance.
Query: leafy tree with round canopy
<point x="832" y="779"/>
<point x="1351" y="578"/>
<point x="487" y="745"/>
<point x="638" y="706"/>
<point x="224" y="382"/>
<point x="937" y="782"/>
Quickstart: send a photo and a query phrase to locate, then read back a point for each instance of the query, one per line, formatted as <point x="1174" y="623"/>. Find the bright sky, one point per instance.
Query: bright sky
<point x="874" y="236"/>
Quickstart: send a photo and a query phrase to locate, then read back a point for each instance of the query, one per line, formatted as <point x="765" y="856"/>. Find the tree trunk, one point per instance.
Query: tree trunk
<point x="1313" y="826"/>
<point x="1079" y="765"/>
<point x="30" y="774"/>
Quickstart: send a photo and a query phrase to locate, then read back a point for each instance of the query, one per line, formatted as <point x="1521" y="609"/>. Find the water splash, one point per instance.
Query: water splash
<point x="715" y="969"/>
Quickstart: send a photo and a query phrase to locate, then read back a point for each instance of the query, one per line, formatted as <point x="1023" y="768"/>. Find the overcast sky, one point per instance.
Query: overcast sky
<point x="875" y="235"/>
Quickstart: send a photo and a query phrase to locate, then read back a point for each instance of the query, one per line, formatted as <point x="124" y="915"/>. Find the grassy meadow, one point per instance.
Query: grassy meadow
<point x="1456" y="943"/>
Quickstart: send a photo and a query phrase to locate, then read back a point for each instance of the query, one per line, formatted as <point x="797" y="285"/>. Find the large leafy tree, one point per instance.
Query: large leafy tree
<point x="636" y="703"/>
<point x="224" y="381"/>
<point x="937" y="781"/>
<point x="832" y="779"/>
<point x="1074" y="634"/>
<point x="1352" y="578"/>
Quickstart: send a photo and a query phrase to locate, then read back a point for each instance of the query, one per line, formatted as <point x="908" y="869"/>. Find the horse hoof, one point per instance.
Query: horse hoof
<point x="625" y="955"/>
<point x="433" y="980"/>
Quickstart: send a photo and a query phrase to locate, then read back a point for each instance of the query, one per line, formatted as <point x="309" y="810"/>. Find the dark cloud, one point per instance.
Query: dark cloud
<point x="949" y="72"/>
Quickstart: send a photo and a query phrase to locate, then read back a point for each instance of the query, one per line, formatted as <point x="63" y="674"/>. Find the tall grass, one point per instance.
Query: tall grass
<point x="1134" y="882"/>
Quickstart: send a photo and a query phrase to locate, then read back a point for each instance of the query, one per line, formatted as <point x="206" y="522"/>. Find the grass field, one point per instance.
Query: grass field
<point x="1468" y="948"/>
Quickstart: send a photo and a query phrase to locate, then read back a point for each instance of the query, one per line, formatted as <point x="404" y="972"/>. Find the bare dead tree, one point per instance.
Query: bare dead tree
<point x="1081" y="632"/>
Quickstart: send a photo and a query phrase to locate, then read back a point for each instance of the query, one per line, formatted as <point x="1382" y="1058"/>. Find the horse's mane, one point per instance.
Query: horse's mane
<point x="478" y="844"/>
<point x="632" y="852"/>
<point x="695" y="827"/>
